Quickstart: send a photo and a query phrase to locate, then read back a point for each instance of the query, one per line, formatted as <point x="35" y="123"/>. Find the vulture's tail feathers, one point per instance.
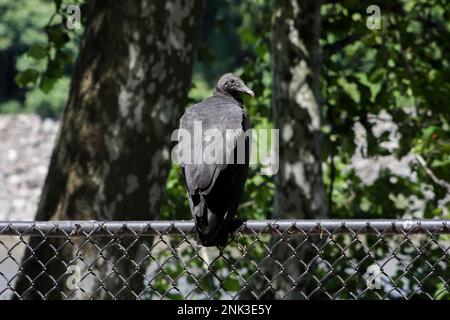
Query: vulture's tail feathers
<point x="211" y="229"/>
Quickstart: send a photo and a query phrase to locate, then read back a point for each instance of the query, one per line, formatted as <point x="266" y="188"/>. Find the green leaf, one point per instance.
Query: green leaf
<point x="428" y="134"/>
<point x="47" y="83"/>
<point x="231" y="284"/>
<point x="38" y="51"/>
<point x="63" y="57"/>
<point x="29" y="76"/>
<point x="377" y="75"/>
<point x="57" y="35"/>
<point x="54" y="69"/>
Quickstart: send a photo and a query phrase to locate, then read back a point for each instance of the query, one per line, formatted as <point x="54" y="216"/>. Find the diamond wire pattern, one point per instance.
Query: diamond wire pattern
<point x="301" y="263"/>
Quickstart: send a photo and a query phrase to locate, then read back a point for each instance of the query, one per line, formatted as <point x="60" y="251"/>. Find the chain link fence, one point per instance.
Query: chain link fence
<point x="295" y="259"/>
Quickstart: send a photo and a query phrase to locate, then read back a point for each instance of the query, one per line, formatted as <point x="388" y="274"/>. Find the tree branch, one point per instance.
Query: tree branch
<point x="430" y="173"/>
<point x="330" y="49"/>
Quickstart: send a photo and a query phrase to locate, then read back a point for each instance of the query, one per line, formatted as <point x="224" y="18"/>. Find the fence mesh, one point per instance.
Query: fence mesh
<point x="298" y="259"/>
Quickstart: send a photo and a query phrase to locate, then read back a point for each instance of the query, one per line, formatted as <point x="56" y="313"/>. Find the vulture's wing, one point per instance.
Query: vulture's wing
<point x="220" y="114"/>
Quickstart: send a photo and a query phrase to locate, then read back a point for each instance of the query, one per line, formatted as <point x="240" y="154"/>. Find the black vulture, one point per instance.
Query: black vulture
<point x="215" y="189"/>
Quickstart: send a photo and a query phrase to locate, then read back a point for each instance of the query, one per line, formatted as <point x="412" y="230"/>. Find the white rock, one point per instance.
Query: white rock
<point x="25" y="149"/>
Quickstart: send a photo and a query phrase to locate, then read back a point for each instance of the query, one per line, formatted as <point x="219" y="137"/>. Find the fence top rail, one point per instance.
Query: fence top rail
<point x="182" y="227"/>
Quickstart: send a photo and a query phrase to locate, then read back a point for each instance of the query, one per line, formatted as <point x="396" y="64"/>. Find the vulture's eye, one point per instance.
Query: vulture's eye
<point x="232" y="81"/>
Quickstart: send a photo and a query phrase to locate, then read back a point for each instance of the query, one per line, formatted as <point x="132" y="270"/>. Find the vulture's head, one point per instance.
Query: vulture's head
<point x="234" y="86"/>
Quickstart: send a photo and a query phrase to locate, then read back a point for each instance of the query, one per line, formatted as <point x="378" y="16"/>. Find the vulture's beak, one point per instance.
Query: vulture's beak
<point x="248" y="91"/>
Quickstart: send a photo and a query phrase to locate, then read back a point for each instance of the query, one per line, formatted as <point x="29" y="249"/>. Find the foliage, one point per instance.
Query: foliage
<point x="392" y="84"/>
<point x="45" y="50"/>
<point x="44" y="104"/>
<point x="400" y="71"/>
<point x="21" y="23"/>
<point x="57" y="52"/>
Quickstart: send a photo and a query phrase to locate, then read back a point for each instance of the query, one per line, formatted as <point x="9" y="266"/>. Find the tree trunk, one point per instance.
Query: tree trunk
<point x="112" y="155"/>
<point x="300" y="192"/>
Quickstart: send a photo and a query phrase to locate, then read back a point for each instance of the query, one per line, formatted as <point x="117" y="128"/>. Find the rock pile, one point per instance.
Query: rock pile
<point x="26" y="143"/>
